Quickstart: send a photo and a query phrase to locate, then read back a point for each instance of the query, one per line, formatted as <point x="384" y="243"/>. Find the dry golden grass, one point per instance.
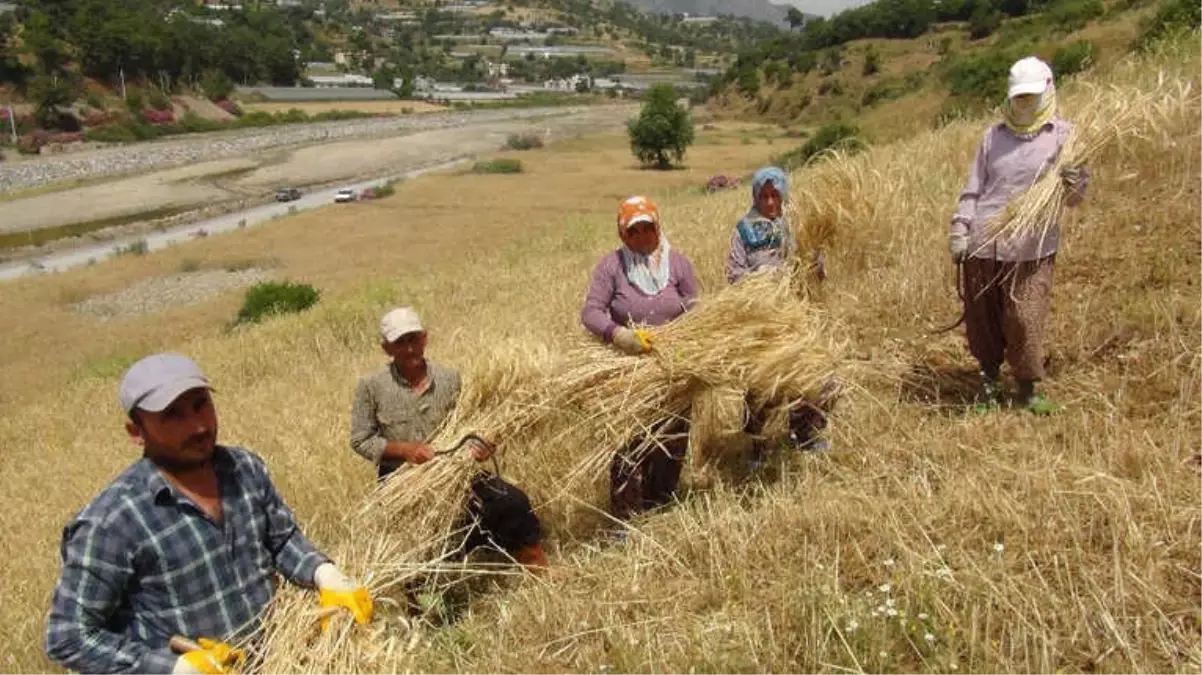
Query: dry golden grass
<point x="928" y="541"/>
<point x="375" y="107"/>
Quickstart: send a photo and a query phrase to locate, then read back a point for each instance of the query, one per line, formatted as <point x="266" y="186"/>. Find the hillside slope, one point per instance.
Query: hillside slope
<point x="888" y="84"/>
<point x="928" y="540"/>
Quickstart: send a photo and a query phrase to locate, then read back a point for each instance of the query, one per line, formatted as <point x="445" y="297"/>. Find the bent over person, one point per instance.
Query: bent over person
<point x="397" y="410"/>
<point x="186" y="542"/>
<point x="1008" y="279"/>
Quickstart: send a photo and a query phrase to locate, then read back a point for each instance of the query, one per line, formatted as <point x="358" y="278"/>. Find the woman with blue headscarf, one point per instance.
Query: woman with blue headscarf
<point x="763" y="240"/>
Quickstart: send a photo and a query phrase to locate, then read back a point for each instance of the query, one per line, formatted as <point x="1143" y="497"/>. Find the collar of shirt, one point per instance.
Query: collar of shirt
<point x="423" y="388"/>
<point x="162" y="489"/>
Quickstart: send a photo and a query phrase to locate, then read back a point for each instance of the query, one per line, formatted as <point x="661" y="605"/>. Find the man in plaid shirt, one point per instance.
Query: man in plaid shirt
<point x="185" y="542"/>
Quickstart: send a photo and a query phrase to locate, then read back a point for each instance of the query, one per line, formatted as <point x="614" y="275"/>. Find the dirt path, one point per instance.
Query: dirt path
<point x="258" y="174"/>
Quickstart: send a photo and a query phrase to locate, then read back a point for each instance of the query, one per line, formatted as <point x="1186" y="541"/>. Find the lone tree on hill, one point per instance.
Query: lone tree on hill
<point x="662" y="129"/>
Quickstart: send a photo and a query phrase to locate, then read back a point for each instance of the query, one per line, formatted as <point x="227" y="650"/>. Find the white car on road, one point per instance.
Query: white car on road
<point x="344" y="195"/>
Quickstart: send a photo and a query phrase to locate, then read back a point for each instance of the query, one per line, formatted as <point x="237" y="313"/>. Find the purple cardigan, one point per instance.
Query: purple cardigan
<point x="612" y="301"/>
<point x="1005" y="167"/>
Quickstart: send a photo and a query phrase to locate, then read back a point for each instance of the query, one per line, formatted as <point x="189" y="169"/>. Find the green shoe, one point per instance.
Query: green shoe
<point x="985" y="406"/>
<point x="1040" y="405"/>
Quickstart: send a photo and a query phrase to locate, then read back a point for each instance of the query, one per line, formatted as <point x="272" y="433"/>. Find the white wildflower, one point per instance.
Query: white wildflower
<point x="923" y="616"/>
<point x="999" y="547"/>
<point x="889" y="602"/>
<point x="891" y="612"/>
<point x="884" y="588"/>
<point x="929" y="637"/>
<point x="889" y="562"/>
<point x="852" y="625"/>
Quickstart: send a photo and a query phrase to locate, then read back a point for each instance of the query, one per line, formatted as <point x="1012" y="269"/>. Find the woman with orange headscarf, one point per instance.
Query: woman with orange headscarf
<point x="645" y="282"/>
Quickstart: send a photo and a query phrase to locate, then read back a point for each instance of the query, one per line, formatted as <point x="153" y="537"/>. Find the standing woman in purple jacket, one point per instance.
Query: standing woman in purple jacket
<point x="645" y="282"/>
<point x="1008" y="280"/>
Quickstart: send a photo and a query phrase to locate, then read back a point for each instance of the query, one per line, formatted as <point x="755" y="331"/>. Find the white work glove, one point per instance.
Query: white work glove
<point x="957" y="244"/>
<point x="633" y="342"/>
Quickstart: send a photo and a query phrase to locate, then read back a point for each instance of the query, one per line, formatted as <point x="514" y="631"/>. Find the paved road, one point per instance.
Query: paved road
<point x="90" y="254"/>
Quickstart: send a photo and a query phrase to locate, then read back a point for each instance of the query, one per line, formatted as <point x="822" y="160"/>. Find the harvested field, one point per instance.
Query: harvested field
<point x="929" y="540"/>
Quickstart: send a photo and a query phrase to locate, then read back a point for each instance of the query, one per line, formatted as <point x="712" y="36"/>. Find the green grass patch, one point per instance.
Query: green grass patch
<point x="503" y="165"/>
<point x="273" y="298"/>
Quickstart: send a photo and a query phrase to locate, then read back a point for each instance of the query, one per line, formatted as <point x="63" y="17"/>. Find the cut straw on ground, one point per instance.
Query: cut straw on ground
<point x="756" y="336"/>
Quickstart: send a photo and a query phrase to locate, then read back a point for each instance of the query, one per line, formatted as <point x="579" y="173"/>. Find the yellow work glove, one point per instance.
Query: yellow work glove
<point x="336" y="590"/>
<point x="213" y="658"/>
<point x="633" y="342"/>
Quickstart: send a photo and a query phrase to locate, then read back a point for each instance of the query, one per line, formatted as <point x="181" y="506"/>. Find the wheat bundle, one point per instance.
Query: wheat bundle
<point x="756" y="336"/>
<point x="1111" y="115"/>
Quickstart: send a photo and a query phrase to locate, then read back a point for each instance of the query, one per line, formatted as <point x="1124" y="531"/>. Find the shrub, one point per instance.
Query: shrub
<point x="749" y="80"/>
<point x="256" y="118"/>
<point x="831" y="86"/>
<point x="271" y="298"/>
<point x="95" y="100"/>
<point x="662" y="130"/>
<point x="158" y="100"/>
<point x="1073" y="58"/>
<point x="386" y="189"/>
<point x="192" y="122"/>
<point x="498" y="166"/>
<point x="524" y="141"/>
<point x="134" y="100"/>
<point x="1071" y="15"/>
<point x="837" y="136"/>
<point x="136" y="248"/>
<point x="111" y="133"/>
<point x="216" y="85"/>
<point x="985" y="20"/>
<point x="1174" y="16"/>
<point x="872" y="62"/>
<point x="881" y="91"/>
<point x="981" y="76"/>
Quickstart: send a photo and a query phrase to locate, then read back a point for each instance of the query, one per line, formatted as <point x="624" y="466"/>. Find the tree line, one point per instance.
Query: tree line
<point x="170" y="43"/>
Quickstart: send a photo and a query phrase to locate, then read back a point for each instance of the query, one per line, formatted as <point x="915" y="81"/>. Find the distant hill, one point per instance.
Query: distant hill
<point x="760" y="10"/>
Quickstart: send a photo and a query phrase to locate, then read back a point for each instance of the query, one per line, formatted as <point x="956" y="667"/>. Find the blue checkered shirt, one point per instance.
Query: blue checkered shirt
<point x="141" y="563"/>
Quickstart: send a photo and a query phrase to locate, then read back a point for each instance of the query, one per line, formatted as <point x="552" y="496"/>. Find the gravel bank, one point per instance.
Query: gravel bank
<point x="149" y="156"/>
<point x="178" y="290"/>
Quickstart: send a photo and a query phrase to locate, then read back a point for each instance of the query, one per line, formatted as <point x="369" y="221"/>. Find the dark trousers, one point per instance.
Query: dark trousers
<point x="497" y="514"/>
<point x="806" y="419"/>
<point x="641" y="479"/>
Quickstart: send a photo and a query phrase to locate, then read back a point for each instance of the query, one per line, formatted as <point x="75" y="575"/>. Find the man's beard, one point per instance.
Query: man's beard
<point x="171" y="461"/>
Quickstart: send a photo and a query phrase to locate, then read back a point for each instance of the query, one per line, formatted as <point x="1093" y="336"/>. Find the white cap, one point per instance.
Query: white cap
<point x="1029" y="76"/>
<point x="156" y="381"/>
<point x="399" y="322"/>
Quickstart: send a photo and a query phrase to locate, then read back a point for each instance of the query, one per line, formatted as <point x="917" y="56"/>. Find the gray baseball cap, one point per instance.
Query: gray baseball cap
<point x="154" y="382"/>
